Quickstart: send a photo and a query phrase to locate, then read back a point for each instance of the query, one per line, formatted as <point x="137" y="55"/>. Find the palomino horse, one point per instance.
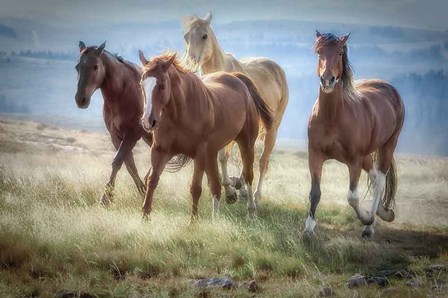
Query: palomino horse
<point x="198" y="117"/>
<point x="352" y="122"/>
<point x="203" y="49"/>
<point x="119" y="81"/>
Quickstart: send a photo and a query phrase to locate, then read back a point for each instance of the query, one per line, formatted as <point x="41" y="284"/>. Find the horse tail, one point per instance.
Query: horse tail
<point x="265" y="113"/>
<point x="177" y="162"/>
<point x="390" y="189"/>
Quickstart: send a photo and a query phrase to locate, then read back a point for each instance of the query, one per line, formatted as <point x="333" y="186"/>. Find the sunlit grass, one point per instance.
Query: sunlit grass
<point x="57" y="240"/>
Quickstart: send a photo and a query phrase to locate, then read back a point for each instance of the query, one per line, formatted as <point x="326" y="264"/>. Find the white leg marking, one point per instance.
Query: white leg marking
<point x="148" y="86"/>
<point x="251" y="206"/>
<point x="353" y="199"/>
<point x="258" y="190"/>
<point x="378" y="190"/>
<point x="310" y="224"/>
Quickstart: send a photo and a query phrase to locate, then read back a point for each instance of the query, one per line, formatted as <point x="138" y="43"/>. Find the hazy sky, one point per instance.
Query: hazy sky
<point x="408" y="13"/>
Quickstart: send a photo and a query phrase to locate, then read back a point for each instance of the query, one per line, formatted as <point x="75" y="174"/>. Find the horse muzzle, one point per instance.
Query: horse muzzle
<point x="328" y="85"/>
<point x="82" y="101"/>
<point x="148" y="124"/>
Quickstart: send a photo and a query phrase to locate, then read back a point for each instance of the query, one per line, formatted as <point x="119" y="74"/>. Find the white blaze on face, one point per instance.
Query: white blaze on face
<point x="148" y="86"/>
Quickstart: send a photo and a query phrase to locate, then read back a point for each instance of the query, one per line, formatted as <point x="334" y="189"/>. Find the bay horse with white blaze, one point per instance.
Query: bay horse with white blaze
<point x="356" y="123"/>
<point x="119" y="81"/>
<point x="203" y="49"/>
<point x="198" y="117"/>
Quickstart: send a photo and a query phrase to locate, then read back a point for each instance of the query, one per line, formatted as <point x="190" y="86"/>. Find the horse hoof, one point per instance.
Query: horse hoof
<point x="308" y="233"/>
<point x="231" y="199"/>
<point x="106" y="199"/>
<point x="145" y="217"/>
<point x="252" y="213"/>
<point x="368" y="219"/>
<point x="236" y="182"/>
<point x="367" y="232"/>
<point x="243" y="195"/>
<point x="387" y="215"/>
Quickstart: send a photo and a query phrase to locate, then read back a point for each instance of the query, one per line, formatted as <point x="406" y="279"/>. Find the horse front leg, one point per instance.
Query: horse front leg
<point x="315" y="162"/>
<point x="125" y="147"/>
<point x="158" y="162"/>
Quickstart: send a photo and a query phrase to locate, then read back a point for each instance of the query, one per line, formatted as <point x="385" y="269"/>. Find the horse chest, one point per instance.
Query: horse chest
<point x="331" y="142"/>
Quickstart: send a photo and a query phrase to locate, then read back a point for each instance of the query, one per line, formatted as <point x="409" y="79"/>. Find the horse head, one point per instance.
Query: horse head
<point x="156" y="87"/>
<point x="91" y="73"/>
<point x="332" y="59"/>
<point x="199" y="38"/>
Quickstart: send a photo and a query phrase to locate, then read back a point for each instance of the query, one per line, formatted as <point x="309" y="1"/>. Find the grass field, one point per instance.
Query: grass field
<point x="55" y="240"/>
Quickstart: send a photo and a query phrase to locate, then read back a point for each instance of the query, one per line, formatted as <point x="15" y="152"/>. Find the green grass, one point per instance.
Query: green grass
<point x="55" y="240"/>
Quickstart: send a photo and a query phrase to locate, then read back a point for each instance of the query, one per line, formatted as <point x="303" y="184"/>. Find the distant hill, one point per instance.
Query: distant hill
<point x="7" y="31"/>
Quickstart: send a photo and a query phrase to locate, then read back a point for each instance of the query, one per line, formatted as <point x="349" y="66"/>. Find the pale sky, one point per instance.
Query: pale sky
<point x="406" y="13"/>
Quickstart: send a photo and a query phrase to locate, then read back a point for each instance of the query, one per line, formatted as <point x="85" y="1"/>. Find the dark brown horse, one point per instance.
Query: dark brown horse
<point x="198" y="117"/>
<point x="119" y="81"/>
<point x="353" y="122"/>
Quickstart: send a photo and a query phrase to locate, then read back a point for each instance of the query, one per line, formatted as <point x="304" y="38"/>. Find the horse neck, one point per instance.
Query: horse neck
<point x="115" y="74"/>
<point x="217" y="60"/>
<point x="177" y="97"/>
<point x="330" y="104"/>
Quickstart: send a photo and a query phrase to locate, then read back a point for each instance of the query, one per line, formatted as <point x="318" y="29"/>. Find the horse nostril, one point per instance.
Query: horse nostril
<point x="153" y="123"/>
<point x="332" y="80"/>
<point x="322" y="80"/>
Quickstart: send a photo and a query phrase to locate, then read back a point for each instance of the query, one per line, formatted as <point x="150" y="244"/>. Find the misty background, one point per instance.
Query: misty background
<point x="402" y="41"/>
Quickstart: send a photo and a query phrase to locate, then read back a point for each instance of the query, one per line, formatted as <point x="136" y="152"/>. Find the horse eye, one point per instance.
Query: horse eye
<point x="341" y="53"/>
<point x="95" y="67"/>
<point x="204" y="37"/>
<point x="162" y="86"/>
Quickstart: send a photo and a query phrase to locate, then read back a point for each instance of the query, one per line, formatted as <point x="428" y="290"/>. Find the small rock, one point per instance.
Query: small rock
<point x="356" y="280"/>
<point x="326" y="291"/>
<point x="413" y="283"/>
<point x="403" y="274"/>
<point x="381" y="281"/>
<point x="251" y="286"/>
<point x="217" y="282"/>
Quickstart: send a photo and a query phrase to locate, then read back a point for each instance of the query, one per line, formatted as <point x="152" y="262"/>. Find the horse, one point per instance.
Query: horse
<point x="119" y="82"/>
<point x="198" y="117"/>
<point x="357" y="123"/>
<point x="203" y="49"/>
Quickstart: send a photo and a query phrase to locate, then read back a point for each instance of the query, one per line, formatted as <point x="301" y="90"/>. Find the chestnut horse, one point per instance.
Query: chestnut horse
<point x="203" y="49"/>
<point x="355" y="123"/>
<point x="119" y="81"/>
<point x="198" y="117"/>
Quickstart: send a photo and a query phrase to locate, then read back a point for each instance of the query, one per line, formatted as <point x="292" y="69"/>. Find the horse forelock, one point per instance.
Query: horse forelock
<point x="155" y="61"/>
<point x="192" y="21"/>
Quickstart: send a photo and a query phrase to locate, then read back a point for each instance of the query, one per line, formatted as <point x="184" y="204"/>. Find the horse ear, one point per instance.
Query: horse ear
<point x="100" y="49"/>
<point x="82" y="46"/>
<point x="142" y="57"/>
<point x="168" y="63"/>
<point x="318" y="34"/>
<point x="208" y="18"/>
<point x="343" y="39"/>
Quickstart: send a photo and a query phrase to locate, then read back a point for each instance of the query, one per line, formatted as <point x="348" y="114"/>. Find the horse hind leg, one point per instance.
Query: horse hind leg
<point x="269" y="143"/>
<point x="211" y="170"/>
<point x="230" y="192"/>
<point x="247" y="155"/>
